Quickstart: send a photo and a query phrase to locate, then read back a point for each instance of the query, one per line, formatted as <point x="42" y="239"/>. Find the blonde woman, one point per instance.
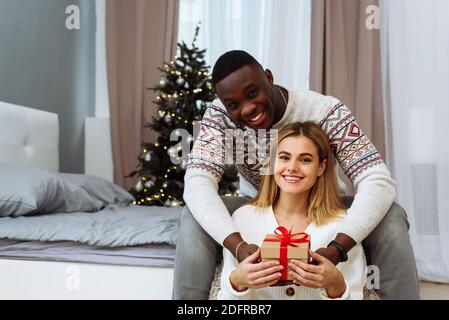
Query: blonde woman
<point x="301" y="194"/>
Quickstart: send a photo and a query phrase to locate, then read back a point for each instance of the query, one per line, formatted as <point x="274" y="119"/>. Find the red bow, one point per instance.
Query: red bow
<point x="286" y="238"/>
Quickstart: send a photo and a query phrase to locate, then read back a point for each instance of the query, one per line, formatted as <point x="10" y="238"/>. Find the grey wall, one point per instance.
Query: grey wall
<point x="45" y="66"/>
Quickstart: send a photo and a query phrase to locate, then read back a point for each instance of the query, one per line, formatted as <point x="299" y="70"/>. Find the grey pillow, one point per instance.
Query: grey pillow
<point x="30" y="191"/>
<point x="99" y="188"/>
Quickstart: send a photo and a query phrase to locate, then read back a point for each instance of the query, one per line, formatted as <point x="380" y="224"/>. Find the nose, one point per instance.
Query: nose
<point x="293" y="167"/>
<point x="248" y="111"/>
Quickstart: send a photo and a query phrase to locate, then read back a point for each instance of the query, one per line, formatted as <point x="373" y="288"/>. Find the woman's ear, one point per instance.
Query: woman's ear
<point x="322" y="167"/>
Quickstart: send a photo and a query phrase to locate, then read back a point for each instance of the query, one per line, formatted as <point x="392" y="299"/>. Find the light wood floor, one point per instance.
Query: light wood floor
<point x="434" y="291"/>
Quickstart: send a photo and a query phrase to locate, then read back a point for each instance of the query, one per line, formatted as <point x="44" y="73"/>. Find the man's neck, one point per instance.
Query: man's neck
<point x="281" y="105"/>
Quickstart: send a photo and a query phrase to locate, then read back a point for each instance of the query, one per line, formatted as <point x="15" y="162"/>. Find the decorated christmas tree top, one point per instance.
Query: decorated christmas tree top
<point x="183" y="94"/>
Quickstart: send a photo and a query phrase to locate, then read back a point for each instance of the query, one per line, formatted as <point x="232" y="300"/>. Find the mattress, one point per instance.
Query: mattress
<point x="150" y="255"/>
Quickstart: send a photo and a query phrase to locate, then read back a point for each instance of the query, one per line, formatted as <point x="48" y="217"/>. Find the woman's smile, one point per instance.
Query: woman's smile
<point x="292" y="179"/>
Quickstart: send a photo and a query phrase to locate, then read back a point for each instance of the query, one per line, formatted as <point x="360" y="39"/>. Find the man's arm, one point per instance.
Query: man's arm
<point x="362" y="163"/>
<point x="204" y="171"/>
<point x="207" y="207"/>
<point x="201" y="196"/>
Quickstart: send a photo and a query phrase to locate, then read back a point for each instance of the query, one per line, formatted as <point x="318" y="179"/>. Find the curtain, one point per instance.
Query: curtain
<point x="140" y="35"/>
<point x="276" y="33"/>
<point x="101" y="80"/>
<point x="415" y="64"/>
<point x="345" y="63"/>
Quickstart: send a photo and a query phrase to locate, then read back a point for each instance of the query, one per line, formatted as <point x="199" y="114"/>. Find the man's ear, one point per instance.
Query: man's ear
<point x="269" y="76"/>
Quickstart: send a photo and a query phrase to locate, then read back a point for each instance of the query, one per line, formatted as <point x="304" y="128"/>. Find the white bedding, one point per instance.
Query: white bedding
<point x="113" y="226"/>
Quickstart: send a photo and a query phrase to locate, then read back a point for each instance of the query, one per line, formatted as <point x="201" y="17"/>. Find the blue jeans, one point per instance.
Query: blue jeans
<point x="388" y="247"/>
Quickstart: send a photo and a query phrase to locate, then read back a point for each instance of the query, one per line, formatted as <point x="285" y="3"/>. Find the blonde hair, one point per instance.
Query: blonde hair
<point x="324" y="202"/>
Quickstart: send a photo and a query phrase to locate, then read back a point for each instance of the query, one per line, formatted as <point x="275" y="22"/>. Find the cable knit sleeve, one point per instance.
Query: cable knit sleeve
<point x="204" y="170"/>
<point x="362" y="163"/>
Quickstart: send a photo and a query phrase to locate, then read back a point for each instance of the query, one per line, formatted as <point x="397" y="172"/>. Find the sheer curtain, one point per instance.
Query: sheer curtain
<point x="415" y="61"/>
<point x="101" y="76"/>
<point x="277" y="33"/>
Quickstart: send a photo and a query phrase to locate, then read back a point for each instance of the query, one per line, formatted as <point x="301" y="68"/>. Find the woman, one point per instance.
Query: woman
<point x="302" y="195"/>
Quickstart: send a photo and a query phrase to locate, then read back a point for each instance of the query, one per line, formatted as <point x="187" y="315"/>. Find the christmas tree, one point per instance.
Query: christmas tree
<point x="184" y="91"/>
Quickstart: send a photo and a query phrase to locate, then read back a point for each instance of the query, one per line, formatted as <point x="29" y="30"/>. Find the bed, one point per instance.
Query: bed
<point x="66" y="236"/>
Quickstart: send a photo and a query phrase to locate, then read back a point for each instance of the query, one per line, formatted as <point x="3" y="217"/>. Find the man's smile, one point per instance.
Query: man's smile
<point x="256" y="117"/>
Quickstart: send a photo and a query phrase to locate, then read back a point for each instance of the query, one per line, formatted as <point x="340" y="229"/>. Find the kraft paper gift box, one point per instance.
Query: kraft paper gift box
<point x="284" y="246"/>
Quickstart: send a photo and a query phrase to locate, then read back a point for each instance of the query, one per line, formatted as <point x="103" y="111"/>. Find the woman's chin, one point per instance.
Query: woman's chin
<point x="292" y="190"/>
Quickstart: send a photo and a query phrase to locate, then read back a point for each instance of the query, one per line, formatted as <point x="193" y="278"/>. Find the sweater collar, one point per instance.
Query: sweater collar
<point x="288" y="112"/>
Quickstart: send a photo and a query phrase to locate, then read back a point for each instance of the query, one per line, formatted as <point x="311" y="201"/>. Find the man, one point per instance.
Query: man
<point x="249" y="99"/>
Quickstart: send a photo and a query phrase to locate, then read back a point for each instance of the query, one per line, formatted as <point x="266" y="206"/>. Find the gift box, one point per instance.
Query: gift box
<point x="284" y="246"/>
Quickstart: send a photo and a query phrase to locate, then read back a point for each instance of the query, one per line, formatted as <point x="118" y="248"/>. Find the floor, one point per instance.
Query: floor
<point x="434" y="291"/>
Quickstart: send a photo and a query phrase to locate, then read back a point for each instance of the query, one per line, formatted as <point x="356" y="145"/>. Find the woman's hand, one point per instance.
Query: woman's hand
<point x="253" y="274"/>
<point x="324" y="275"/>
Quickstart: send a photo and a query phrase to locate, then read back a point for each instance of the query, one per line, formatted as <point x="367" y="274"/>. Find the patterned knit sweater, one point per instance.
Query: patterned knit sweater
<point x="355" y="153"/>
<point x="255" y="224"/>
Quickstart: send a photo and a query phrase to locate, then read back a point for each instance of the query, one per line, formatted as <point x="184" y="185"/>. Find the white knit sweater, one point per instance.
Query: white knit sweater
<point x="254" y="225"/>
<point x="354" y="152"/>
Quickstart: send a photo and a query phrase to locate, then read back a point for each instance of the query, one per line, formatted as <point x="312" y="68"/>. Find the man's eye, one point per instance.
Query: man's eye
<point x="252" y="93"/>
<point x="283" y="158"/>
<point x="232" y="106"/>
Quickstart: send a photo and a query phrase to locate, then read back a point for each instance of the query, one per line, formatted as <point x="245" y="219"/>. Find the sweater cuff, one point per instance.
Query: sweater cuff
<point x="350" y="229"/>
<point x="237" y="294"/>
<point x="344" y="296"/>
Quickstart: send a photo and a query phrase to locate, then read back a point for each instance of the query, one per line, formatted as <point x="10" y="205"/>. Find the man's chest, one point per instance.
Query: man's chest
<point x="248" y="148"/>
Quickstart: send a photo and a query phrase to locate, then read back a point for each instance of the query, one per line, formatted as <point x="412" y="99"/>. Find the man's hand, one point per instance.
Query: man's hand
<point x="246" y="250"/>
<point x="330" y="253"/>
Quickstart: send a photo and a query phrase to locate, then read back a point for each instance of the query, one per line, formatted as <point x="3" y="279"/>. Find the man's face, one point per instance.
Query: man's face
<point x="248" y="97"/>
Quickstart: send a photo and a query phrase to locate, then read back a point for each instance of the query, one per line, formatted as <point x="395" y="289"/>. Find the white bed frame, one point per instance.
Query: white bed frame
<point x="31" y="137"/>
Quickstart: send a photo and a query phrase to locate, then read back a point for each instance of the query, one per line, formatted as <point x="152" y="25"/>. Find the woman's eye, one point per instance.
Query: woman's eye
<point x="306" y="160"/>
<point x="283" y="158"/>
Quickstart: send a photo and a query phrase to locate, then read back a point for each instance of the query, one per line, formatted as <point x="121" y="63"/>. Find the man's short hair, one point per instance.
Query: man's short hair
<point x="230" y="62"/>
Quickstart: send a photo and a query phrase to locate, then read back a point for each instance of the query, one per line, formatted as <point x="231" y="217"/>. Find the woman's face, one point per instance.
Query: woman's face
<point x="297" y="165"/>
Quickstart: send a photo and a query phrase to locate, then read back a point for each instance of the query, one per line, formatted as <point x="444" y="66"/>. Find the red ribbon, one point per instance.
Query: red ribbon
<point x="286" y="238"/>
